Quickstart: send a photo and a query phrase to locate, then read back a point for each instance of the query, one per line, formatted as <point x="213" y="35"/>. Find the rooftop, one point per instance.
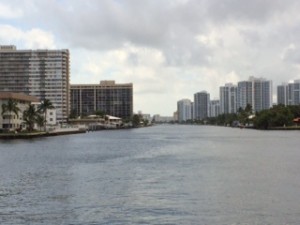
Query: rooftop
<point x="17" y="96"/>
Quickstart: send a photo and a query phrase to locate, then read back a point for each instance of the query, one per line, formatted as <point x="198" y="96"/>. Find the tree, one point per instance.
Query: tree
<point x="281" y="116"/>
<point x="29" y="116"/>
<point x="40" y="120"/>
<point x="73" y="114"/>
<point x="262" y="120"/>
<point x="248" y="108"/>
<point x="100" y="113"/>
<point x="295" y="110"/>
<point x="277" y="116"/>
<point x="146" y="122"/>
<point x="10" y="107"/>
<point x="43" y="107"/>
<point x="243" y="114"/>
<point x="136" y="120"/>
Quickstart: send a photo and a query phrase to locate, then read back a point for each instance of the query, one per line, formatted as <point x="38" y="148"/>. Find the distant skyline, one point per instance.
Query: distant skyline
<point x="168" y="49"/>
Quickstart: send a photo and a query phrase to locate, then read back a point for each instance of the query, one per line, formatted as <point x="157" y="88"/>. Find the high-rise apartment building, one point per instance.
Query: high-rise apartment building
<point x="283" y="94"/>
<point x="201" y="105"/>
<point x="108" y="97"/>
<point x="184" y="109"/>
<point x="244" y="94"/>
<point x="295" y="93"/>
<point x="257" y="92"/>
<point x="289" y="94"/>
<point x="263" y="94"/>
<point x="214" y="108"/>
<point x="192" y="110"/>
<point x="228" y="99"/>
<point x="40" y="73"/>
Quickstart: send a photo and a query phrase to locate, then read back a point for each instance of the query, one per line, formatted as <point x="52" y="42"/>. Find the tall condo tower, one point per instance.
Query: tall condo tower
<point x="228" y="98"/>
<point x="295" y="93"/>
<point x="184" y="109"/>
<point x="214" y="108"/>
<point x="283" y="94"/>
<point x="201" y="105"/>
<point x="40" y="73"/>
<point x="289" y="94"/>
<point x="257" y="92"/>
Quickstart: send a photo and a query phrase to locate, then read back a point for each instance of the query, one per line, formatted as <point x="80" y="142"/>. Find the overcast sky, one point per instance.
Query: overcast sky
<point x="168" y="49"/>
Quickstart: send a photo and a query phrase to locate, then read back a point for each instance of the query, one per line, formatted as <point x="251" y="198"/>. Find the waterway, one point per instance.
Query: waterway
<point x="168" y="174"/>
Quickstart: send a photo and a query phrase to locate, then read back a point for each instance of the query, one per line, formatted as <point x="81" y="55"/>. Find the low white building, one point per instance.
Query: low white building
<point x="9" y="120"/>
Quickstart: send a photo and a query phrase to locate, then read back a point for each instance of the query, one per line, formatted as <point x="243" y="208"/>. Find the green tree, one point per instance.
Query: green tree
<point x="43" y="107"/>
<point x="277" y="116"/>
<point x="243" y="114"/>
<point x="136" y="120"/>
<point x="262" y="120"/>
<point x="40" y="120"/>
<point x="10" y="107"/>
<point x="295" y="110"/>
<point x="29" y="116"/>
<point x="146" y="122"/>
<point x="73" y="114"/>
<point x="100" y="113"/>
<point x="281" y="116"/>
<point x="248" y="108"/>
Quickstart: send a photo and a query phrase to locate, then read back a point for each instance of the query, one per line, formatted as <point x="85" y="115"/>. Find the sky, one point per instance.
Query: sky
<point x="168" y="49"/>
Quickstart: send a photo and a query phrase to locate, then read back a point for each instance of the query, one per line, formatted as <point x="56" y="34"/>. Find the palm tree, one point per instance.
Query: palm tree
<point x="10" y="107"/>
<point x="29" y="116"/>
<point x="43" y="107"/>
<point x="40" y="120"/>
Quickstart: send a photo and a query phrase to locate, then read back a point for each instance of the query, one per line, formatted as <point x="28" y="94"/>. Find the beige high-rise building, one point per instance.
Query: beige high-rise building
<point x="40" y="73"/>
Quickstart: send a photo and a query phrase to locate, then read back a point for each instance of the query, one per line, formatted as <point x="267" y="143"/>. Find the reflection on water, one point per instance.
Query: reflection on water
<point x="159" y="175"/>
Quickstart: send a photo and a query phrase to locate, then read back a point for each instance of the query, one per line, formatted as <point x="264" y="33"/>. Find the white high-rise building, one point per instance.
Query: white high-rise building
<point x="262" y="94"/>
<point x="295" y="93"/>
<point x="40" y="73"/>
<point x="214" y="108"/>
<point x="184" y="109"/>
<point x="289" y="94"/>
<point x="228" y="98"/>
<point x="257" y="92"/>
<point x="193" y="110"/>
<point x="283" y="94"/>
<point x="244" y="94"/>
<point x="201" y="105"/>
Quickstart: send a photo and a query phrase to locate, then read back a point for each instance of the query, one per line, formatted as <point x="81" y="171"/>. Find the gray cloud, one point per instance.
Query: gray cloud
<point x="254" y="11"/>
<point x="211" y="37"/>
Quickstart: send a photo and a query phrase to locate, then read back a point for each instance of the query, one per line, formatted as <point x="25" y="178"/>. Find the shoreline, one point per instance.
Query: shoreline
<point x="11" y="136"/>
<point x="39" y="134"/>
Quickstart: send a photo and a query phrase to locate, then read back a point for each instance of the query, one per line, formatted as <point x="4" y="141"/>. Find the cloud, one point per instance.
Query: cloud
<point x="8" y="12"/>
<point x="169" y="49"/>
<point x="32" y="39"/>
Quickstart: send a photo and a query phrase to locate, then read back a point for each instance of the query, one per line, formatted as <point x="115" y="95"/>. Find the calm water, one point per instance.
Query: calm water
<point x="158" y="175"/>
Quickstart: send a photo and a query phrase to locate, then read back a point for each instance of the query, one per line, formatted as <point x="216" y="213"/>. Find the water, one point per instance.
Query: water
<point x="159" y="175"/>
